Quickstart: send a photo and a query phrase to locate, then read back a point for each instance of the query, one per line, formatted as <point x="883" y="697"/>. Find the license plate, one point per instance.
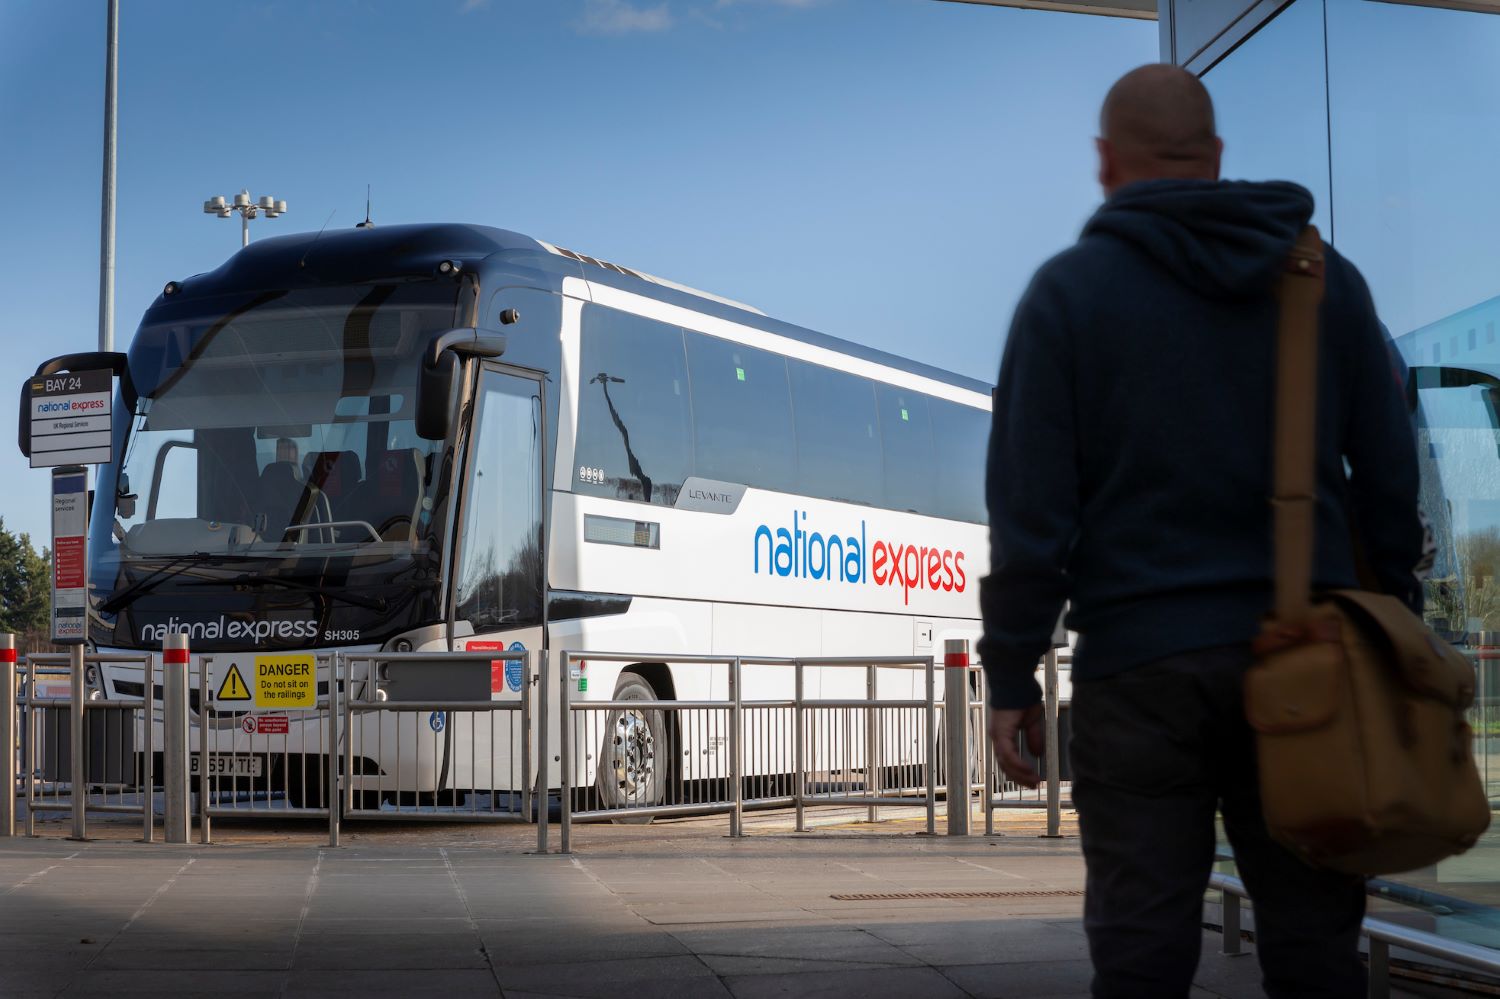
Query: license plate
<point x="227" y="766"/>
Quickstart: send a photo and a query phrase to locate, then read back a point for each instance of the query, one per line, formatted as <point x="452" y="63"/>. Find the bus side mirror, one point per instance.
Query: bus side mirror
<point x="437" y="376"/>
<point x="437" y="387"/>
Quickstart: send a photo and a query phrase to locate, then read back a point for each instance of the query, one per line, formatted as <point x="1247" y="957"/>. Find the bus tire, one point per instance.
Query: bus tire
<point x="635" y="756"/>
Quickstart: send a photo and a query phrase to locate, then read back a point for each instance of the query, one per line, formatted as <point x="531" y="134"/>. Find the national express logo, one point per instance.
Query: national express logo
<point x="805" y="554"/>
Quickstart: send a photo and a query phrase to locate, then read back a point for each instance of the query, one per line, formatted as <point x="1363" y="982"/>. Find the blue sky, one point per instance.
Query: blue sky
<point x="886" y="171"/>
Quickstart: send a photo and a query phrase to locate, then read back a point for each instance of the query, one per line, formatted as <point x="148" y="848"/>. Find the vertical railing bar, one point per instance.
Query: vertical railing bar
<point x="566" y="720"/>
<point x="736" y="752"/>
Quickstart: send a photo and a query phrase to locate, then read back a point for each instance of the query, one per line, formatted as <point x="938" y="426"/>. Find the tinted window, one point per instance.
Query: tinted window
<point x="742" y="414"/>
<point x="906" y="436"/>
<point x="633" y="410"/>
<point x="838" y="435"/>
<point x="960" y="440"/>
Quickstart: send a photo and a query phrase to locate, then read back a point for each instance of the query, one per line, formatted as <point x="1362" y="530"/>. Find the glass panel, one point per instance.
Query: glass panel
<point x="1416" y="137"/>
<point x="838" y="435"/>
<point x="500" y="575"/>
<point x="633" y="410"/>
<point x="742" y="414"/>
<point x="960" y="442"/>
<point x="1271" y="99"/>
<point x="906" y="438"/>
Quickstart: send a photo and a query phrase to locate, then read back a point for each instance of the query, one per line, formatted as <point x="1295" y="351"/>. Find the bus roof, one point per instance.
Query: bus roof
<point x="367" y="254"/>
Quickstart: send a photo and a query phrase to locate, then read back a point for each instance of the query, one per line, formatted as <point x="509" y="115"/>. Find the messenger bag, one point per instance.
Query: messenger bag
<point x="1366" y="760"/>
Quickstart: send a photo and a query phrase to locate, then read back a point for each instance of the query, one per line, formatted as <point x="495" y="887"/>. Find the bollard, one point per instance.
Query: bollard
<point x="1052" y="752"/>
<point x="956" y="732"/>
<point x="76" y="778"/>
<point x="543" y="795"/>
<point x="174" y="723"/>
<point x="8" y="742"/>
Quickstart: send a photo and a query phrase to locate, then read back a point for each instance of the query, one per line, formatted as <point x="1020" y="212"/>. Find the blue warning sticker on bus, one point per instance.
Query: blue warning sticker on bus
<point x="437" y="720"/>
<point x="515" y="669"/>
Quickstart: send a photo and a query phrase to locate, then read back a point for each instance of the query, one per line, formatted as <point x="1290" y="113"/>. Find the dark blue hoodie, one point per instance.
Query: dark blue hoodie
<point x="1130" y="458"/>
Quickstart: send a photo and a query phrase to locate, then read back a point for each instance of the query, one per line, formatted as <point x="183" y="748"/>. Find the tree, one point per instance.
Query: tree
<point x="25" y="589"/>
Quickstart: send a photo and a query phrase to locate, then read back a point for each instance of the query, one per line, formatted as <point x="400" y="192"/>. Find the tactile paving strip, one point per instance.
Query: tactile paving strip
<point x="896" y="896"/>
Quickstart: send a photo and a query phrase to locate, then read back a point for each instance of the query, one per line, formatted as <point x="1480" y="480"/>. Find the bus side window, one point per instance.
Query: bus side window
<point x="838" y="435"/>
<point x="633" y="409"/>
<point x="960" y="441"/>
<point x="906" y="439"/>
<point x="742" y="414"/>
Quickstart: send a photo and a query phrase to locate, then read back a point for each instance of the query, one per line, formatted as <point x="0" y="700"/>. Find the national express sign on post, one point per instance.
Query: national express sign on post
<point x="70" y="418"/>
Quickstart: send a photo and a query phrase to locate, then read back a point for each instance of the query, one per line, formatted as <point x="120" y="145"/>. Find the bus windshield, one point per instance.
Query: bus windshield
<point x="274" y="436"/>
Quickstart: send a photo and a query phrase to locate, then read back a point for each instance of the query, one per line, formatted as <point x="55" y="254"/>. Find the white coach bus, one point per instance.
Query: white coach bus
<point x="431" y="437"/>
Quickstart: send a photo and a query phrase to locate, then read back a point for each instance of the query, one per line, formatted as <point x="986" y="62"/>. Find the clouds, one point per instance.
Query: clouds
<point x="622" y="17"/>
<point x="632" y="17"/>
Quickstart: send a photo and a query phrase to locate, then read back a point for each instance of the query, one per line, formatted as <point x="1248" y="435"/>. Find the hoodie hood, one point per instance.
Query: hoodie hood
<point x="1224" y="239"/>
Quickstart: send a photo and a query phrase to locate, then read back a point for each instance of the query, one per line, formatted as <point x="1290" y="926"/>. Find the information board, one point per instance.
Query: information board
<point x="70" y="576"/>
<point x="70" y="418"/>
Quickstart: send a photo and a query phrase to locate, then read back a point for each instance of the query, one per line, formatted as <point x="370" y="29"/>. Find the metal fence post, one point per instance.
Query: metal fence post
<point x="174" y="750"/>
<point x="148" y="756"/>
<point x="931" y="735"/>
<point x="1230" y="903"/>
<point x="205" y="779"/>
<point x="77" y="776"/>
<point x="799" y="749"/>
<point x="872" y="781"/>
<point x="528" y="663"/>
<point x="8" y="743"/>
<point x="736" y="752"/>
<point x="332" y="798"/>
<point x="1052" y="750"/>
<point x="543" y="757"/>
<point x="565" y="727"/>
<point x="956" y="732"/>
<point x="1380" y="969"/>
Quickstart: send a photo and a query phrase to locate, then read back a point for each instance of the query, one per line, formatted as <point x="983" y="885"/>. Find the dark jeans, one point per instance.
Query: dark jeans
<point x="1155" y="751"/>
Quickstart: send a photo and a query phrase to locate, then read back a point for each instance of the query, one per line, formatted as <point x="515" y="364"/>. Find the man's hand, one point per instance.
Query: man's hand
<point x="1005" y="725"/>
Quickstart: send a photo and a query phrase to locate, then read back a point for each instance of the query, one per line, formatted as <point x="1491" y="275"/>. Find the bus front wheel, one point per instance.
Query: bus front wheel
<point x="635" y="754"/>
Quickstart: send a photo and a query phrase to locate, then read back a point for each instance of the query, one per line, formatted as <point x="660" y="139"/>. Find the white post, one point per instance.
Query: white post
<point x="956" y="732"/>
<point x="174" y="718"/>
<point x="8" y="743"/>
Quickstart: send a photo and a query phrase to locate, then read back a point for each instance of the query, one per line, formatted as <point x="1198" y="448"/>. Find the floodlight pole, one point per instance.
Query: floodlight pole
<point x="247" y="207"/>
<point x="107" y="221"/>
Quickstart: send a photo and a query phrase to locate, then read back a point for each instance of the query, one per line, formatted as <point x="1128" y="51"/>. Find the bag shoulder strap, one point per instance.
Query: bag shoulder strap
<point x="1294" y="503"/>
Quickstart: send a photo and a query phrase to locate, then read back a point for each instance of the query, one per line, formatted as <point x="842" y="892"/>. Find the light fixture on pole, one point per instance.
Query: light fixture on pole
<point x="247" y="207"/>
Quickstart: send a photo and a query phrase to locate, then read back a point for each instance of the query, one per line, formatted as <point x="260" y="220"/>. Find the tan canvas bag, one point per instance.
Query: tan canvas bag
<point x="1366" y="762"/>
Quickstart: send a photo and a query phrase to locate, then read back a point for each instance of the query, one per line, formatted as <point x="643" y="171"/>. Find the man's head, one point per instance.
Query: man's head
<point x="1157" y="123"/>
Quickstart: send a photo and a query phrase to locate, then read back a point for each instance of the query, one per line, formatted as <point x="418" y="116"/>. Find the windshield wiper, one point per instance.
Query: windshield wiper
<point x="377" y="604"/>
<point x="149" y="581"/>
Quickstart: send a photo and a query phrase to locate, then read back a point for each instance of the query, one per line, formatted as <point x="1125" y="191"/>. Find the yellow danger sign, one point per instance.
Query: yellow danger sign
<point x="233" y="688"/>
<point x="286" y="681"/>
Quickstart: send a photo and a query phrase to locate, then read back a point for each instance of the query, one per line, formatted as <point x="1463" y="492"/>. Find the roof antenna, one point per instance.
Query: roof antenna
<point x="303" y="261"/>
<point x="366" y="224"/>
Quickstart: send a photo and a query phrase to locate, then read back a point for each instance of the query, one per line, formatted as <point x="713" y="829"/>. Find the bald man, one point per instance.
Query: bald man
<point x="1129" y="471"/>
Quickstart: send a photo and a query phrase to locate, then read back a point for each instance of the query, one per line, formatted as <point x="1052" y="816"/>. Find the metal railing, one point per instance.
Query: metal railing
<point x="295" y="775"/>
<point x="636" y="759"/>
<point x="999" y="792"/>
<point x="78" y="755"/>
<point x="1380" y="934"/>
<point x="491" y="782"/>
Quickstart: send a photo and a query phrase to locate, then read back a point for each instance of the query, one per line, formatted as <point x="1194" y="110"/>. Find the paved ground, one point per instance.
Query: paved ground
<point x="675" y="909"/>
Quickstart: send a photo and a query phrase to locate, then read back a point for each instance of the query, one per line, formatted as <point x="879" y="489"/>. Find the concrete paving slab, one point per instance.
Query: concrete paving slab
<point x="886" y="983"/>
<point x="647" y="978"/>
<point x="674" y="909"/>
